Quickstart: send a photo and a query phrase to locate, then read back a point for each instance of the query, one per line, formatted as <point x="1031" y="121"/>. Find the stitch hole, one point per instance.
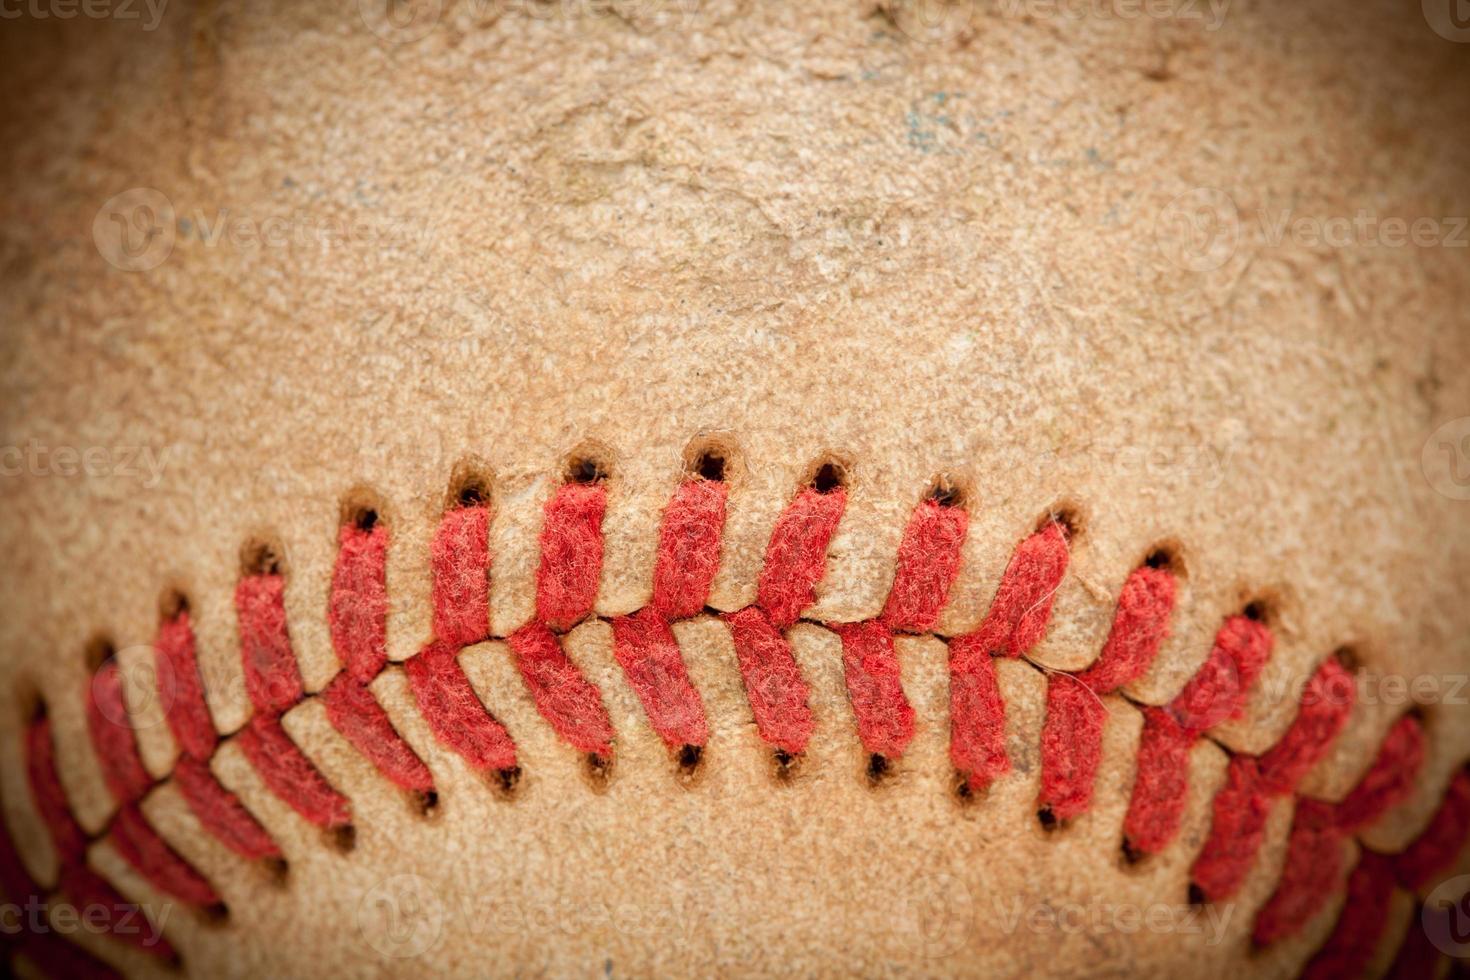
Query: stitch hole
<point x="878" y="768"/>
<point x="1260" y="610"/>
<point x="711" y="458"/>
<point x="598" y="769"/>
<point x="786" y="764"/>
<point x="261" y="556"/>
<point x="469" y="484"/>
<point x="215" y="915"/>
<point x="964" y="794"/>
<point x="424" y="802"/>
<point x="277" y="869"/>
<point x="1166" y="556"/>
<point x="1132" y="856"/>
<point x="1350" y="658"/>
<point x="689" y="758"/>
<point x="172" y="604"/>
<point x="1196" y="896"/>
<point x="343" y="838"/>
<point x="98" y="651"/>
<point x="828" y="477"/>
<point x="587" y="466"/>
<point x="1048" y="820"/>
<point x="506" y="780"/>
<point x="948" y="491"/>
<point x="361" y="509"/>
<point x="1067" y="516"/>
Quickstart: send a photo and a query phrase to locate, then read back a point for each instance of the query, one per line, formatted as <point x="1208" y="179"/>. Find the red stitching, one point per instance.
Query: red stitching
<point x="272" y="680"/>
<point x="1071" y="738"/>
<point x="646" y="649"/>
<point x="1441" y="842"/>
<point x="1242" y="806"/>
<point x="1215" y="693"/>
<point x="112" y="739"/>
<point x="1014" y="624"/>
<point x="290" y="775"/>
<point x="78" y="882"/>
<point x="1319" y="832"/>
<point x="1360" y="928"/>
<point x="456" y="715"/>
<point x="358" y="616"/>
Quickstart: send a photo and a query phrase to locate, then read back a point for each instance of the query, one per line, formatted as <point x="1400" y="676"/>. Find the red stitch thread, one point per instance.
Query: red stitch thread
<point x="1071" y="738"/>
<point x="353" y="711"/>
<point x="1435" y="850"/>
<point x="1217" y="692"/>
<point x="456" y="715"/>
<point x="645" y="647"/>
<point x="357" y="611"/>
<point x="1014" y="624"/>
<point x="1326" y="703"/>
<point x="1241" y="807"/>
<point x="271" y="678"/>
<point x="218" y="810"/>
<point x="977" y="714"/>
<point x="155" y="860"/>
<point x="796" y="556"/>
<point x="79" y="883"/>
<point x="571" y="554"/>
<point x="1315" y="850"/>
<point x="221" y="812"/>
<point x="55" y="956"/>
<point x="773" y="683"/>
<point x="1418" y="958"/>
<point x="928" y="563"/>
<point x="1236" y="831"/>
<point x="688" y="549"/>
<point x="180" y="689"/>
<point x="1389" y="781"/>
<point x="289" y="774"/>
<point x="358" y="616"/>
<point x="885" y="719"/>
<point x="1313" y="862"/>
<point x="112" y="736"/>
<point x="565" y="698"/>
<point x="460" y="558"/>
<point x="1360" y="927"/>
<point x="1160" y="783"/>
